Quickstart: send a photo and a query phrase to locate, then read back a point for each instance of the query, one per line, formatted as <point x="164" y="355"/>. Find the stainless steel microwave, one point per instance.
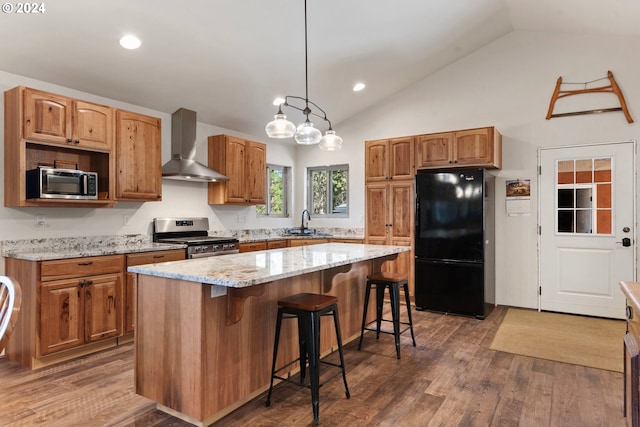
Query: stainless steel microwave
<point x="53" y="183"/>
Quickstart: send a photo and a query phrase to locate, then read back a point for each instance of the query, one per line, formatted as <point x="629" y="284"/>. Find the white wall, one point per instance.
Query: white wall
<point x="509" y="84"/>
<point x="179" y="198"/>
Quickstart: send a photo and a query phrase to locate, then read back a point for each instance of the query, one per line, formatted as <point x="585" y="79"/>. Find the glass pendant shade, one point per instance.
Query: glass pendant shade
<point x="330" y="141"/>
<point x="306" y="134"/>
<point x="280" y="127"/>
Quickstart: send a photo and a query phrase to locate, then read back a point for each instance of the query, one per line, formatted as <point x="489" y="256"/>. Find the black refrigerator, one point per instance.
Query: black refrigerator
<point x="454" y="245"/>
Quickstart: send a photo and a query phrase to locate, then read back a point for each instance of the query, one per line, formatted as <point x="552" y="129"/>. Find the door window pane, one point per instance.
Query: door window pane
<point x="584" y="194"/>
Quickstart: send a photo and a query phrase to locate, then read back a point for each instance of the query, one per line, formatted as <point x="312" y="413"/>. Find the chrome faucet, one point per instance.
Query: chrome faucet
<point x="302" y="227"/>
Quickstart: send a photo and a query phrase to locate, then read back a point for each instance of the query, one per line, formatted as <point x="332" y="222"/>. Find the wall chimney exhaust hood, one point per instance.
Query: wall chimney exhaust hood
<point x="182" y="165"/>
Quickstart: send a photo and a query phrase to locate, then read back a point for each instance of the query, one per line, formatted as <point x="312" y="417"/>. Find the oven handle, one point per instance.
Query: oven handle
<point x="210" y="254"/>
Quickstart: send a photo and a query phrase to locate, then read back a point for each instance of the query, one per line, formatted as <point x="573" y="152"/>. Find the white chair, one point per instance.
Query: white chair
<point x="10" y="300"/>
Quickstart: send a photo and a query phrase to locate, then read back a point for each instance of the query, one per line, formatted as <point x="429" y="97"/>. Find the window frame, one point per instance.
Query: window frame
<point x="286" y="192"/>
<point x="330" y="169"/>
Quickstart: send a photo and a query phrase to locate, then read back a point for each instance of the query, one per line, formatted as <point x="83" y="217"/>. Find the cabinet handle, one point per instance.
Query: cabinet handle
<point x="69" y="140"/>
<point x="81" y="283"/>
<point x="158" y="256"/>
<point x="89" y="282"/>
<point x="77" y="141"/>
<point x="629" y="312"/>
<point x="85" y="263"/>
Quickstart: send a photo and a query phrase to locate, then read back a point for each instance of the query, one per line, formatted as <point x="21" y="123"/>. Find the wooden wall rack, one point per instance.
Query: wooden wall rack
<point x="611" y="88"/>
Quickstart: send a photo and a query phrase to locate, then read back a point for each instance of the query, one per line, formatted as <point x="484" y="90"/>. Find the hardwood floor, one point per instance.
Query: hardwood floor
<point x="450" y="379"/>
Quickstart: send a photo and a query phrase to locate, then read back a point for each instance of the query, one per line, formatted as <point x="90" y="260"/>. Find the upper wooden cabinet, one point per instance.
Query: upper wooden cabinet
<point x="47" y="129"/>
<point x="480" y="147"/>
<point x="66" y="121"/>
<point x="244" y="162"/>
<point x="389" y="159"/>
<point x="138" y="157"/>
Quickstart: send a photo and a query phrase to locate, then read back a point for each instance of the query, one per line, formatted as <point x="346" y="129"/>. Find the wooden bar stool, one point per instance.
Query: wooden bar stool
<point x="308" y="309"/>
<point x="392" y="281"/>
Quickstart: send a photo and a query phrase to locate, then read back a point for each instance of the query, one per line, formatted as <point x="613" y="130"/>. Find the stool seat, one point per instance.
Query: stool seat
<point x="308" y="302"/>
<point x="392" y="281"/>
<point x="384" y="276"/>
<point x="308" y="308"/>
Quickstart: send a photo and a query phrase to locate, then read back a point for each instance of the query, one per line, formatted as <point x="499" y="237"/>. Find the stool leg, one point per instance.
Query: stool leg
<point x="275" y="355"/>
<point x="302" y="346"/>
<point x="406" y="295"/>
<point x="394" y="294"/>
<point x="379" y="303"/>
<point x="367" y="293"/>
<point x="336" y="322"/>
<point x="313" y="347"/>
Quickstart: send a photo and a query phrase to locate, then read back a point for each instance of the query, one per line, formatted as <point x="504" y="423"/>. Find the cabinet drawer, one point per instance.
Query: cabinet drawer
<point x="78" y="267"/>
<point x="307" y="242"/>
<point x="276" y="244"/>
<point x="251" y="247"/>
<point x="155" y="257"/>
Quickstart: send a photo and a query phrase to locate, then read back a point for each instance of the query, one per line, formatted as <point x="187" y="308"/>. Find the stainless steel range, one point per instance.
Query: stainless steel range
<point x="193" y="232"/>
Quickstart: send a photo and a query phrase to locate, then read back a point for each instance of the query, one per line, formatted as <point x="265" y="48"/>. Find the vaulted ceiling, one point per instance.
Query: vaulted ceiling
<point x="228" y="59"/>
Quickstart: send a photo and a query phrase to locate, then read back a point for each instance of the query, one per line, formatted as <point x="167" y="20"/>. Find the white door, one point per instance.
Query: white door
<point x="587" y="227"/>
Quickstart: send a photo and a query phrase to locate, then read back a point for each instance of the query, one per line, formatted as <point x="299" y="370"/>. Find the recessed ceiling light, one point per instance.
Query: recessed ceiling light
<point x="278" y="101"/>
<point x="130" y="42"/>
<point x="358" y="87"/>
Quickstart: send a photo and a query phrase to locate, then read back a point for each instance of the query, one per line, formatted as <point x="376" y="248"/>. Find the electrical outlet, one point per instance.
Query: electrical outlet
<point x="126" y="219"/>
<point x="41" y="221"/>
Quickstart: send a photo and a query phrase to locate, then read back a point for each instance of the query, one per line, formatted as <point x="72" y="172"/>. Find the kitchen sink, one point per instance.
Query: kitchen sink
<point x="305" y="232"/>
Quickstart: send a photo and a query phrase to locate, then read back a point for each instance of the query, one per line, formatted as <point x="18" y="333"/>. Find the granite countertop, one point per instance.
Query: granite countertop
<point x="253" y="268"/>
<point x="64" y="248"/>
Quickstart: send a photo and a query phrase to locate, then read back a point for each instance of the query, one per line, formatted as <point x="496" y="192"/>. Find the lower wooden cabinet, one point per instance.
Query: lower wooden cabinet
<point x="252" y="247"/>
<point x="79" y="304"/>
<point x="631" y="291"/>
<point x="277" y="244"/>
<point x="307" y="242"/>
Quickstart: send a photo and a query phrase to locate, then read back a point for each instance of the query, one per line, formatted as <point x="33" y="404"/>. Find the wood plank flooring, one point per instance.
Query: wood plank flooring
<point x="450" y="379"/>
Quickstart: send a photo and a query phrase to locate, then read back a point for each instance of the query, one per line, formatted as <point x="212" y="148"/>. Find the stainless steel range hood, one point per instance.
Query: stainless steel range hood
<point x="182" y="166"/>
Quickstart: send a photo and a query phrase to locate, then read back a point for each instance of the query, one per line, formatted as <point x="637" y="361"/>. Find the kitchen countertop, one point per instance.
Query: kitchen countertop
<point x="75" y="247"/>
<point x="253" y="268"/>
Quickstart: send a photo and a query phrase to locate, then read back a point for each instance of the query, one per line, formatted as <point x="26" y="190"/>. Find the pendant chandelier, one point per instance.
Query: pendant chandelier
<point x="305" y="133"/>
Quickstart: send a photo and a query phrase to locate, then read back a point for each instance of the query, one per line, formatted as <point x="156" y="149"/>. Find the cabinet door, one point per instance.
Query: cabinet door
<point x="631" y="382"/>
<point x="434" y="150"/>
<point x="377" y="213"/>
<point x="401" y="205"/>
<point x="47" y="117"/>
<point x="138" y="157"/>
<point x="92" y="125"/>
<point x="276" y="244"/>
<point x="256" y="172"/>
<point x="61" y="316"/>
<point x="376" y="160"/>
<point x="401" y="158"/>
<point x="235" y="165"/>
<point x="473" y="147"/>
<point x="103" y="307"/>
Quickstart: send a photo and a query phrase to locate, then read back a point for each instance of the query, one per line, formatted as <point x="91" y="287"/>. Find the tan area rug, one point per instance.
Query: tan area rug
<point x="580" y="340"/>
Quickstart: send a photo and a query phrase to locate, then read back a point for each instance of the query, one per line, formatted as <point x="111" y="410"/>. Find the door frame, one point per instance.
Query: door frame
<point x="634" y="203"/>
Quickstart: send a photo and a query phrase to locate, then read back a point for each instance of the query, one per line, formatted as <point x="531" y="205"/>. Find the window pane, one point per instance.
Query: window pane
<point x="565" y="172"/>
<point x="584" y="171"/>
<point x="565" y="221"/>
<point x="603" y="218"/>
<point x="339" y="192"/>
<point x="319" y="180"/>
<point x="276" y="191"/>
<point x="565" y="198"/>
<point x="583" y="198"/>
<point x="602" y="170"/>
<point x="583" y="221"/>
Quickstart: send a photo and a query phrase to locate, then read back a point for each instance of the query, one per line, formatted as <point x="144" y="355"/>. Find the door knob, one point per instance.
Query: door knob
<point x="626" y="242"/>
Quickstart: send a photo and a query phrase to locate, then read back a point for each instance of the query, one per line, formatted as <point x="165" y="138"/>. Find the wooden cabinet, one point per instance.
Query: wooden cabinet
<point x="631" y="291"/>
<point x="389" y="159"/>
<point x="129" y="291"/>
<point x="61" y="120"/>
<point x="47" y="129"/>
<point x="138" y="157"/>
<point x="81" y="302"/>
<point x="244" y="162"/>
<point x="277" y="244"/>
<point x="390" y="220"/>
<point x="306" y="242"/>
<point x="252" y="247"/>
<point x="480" y="147"/>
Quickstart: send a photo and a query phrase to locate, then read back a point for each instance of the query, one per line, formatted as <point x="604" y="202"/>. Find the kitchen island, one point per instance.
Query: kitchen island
<point x="205" y="327"/>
